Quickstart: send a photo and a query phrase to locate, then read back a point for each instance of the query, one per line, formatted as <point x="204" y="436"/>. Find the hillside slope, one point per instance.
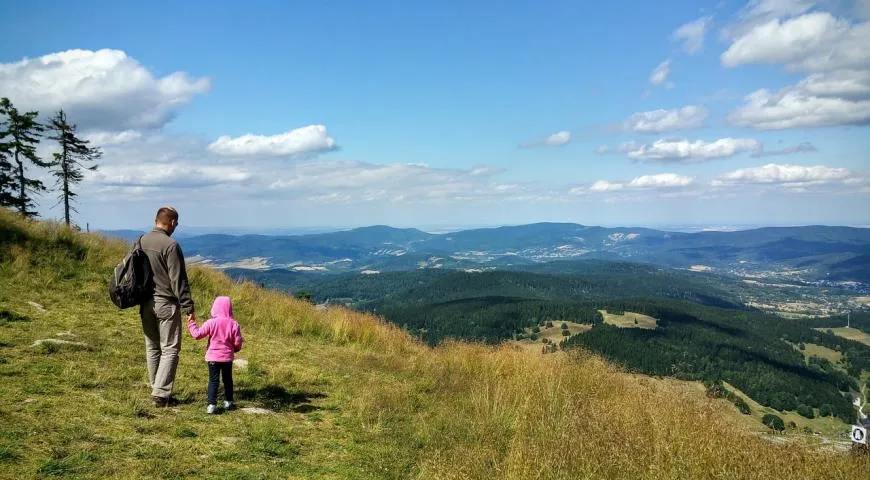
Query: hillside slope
<point x="348" y="396"/>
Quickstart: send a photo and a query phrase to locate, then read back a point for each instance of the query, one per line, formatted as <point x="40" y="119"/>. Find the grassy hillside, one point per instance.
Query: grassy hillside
<point x="350" y="396"/>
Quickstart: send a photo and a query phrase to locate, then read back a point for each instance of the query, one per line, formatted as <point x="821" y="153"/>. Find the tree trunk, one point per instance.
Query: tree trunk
<point x="22" y="200"/>
<point x="65" y="168"/>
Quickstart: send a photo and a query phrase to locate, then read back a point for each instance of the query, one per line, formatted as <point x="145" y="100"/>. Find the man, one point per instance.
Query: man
<point x="161" y="315"/>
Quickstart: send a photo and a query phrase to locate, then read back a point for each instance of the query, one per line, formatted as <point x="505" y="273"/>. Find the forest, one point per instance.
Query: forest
<point x="702" y="334"/>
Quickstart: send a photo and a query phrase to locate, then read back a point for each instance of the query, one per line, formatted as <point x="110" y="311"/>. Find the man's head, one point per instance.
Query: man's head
<point x="167" y="219"/>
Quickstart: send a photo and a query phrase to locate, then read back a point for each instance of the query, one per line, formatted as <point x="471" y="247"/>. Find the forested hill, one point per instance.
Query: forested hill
<point x="808" y="252"/>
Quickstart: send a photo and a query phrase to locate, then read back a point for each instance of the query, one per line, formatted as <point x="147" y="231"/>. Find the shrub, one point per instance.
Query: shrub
<point x="805" y="411"/>
<point x="549" y="324"/>
<point x="741" y="405"/>
<point x="826" y="410"/>
<point x="773" y="421"/>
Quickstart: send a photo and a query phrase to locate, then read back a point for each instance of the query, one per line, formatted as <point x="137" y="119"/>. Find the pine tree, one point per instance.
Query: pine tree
<point x="6" y="177"/>
<point x="69" y="162"/>
<point x="21" y="134"/>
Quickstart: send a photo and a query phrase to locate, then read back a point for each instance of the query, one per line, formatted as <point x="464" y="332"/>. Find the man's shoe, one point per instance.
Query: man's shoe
<point x="210" y="409"/>
<point x="164" y="401"/>
<point x="228" y="405"/>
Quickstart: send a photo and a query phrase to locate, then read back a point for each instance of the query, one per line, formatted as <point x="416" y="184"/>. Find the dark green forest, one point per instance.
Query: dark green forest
<point x="703" y="333"/>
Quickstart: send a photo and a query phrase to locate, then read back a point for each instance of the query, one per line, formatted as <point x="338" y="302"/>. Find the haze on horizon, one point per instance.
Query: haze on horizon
<point x="452" y="115"/>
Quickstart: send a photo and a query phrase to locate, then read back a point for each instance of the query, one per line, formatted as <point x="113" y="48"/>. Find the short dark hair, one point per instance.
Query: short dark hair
<point x="166" y="215"/>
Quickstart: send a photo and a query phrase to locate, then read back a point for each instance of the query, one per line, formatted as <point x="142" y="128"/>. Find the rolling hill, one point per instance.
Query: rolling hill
<point x="808" y="253"/>
<point x="339" y="395"/>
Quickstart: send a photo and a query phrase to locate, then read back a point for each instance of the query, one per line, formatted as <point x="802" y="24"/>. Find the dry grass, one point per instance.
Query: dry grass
<point x="849" y="333"/>
<point x="813" y="350"/>
<point x="629" y="320"/>
<point x="354" y="397"/>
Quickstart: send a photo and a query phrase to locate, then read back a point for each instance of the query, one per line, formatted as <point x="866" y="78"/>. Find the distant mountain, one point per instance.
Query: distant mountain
<point x="809" y="253"/>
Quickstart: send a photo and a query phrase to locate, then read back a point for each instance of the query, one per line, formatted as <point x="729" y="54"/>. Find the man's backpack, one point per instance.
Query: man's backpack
<point x="132" y="282"/>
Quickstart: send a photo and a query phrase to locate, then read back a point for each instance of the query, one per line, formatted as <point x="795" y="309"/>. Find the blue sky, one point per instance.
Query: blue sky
<point x="456" y="113"/>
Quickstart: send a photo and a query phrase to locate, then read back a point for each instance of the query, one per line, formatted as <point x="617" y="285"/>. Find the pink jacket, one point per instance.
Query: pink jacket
<point x="225" y="336"/>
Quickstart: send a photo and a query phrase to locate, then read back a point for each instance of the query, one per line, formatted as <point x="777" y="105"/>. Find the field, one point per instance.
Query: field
<point x="629" y="320"/>
<point x="338" y="394"/>
<point x="804" y="428"/>
<point x="813" y="350"/>
<point x="850" y="333"/>
<point x="553" y="334"/>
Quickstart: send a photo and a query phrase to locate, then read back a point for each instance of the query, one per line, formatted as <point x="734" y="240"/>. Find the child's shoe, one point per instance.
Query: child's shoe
<point x="228" y="405"/>
<point x="210" y="409"/>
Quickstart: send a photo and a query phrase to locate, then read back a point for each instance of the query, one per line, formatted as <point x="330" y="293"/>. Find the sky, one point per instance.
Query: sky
<point x="270" y="115"/>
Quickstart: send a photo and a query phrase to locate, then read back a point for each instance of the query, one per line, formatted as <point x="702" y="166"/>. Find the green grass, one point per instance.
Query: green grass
<point x="352" y="396"/>
<point x="629" y="320"/>
<point x="813" y="350"/>
<point x="849" y="333"/>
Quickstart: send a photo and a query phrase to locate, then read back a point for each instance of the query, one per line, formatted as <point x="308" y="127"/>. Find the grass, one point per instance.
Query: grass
<point x="629" y="320"/>
<point x="352" y="396"/>
<point x="849" y="333"/>
<point x="805" y="428"/>
<point x="813" y="350"/>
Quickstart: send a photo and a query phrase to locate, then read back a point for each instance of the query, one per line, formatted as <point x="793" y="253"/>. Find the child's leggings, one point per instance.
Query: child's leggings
<point x="215" y="371"/>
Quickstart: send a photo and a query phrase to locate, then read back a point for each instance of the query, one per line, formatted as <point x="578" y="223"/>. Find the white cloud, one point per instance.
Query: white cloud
<point x="658" y="121"/>
<point x="102" y="138"/>
<point x="685" y="151"/>
<point x="793" y="108"/>
<point x="692" y="34"/>
<point x="785" y="175"/>
<point x="104" y="89"/>
<point x="847" y="84"/>
<point x="803" y="147"/>
<point x="605" y="186"/>
<point x="757" y="12"/>
<point x="555" y="140"/>
<point x="167" y="175"/>
<point x="644" y="182"/>
<point x="661" y="180"/>
<point x="812" y="42"/>
<point x="660" y="73"/>
<point x="310" y="139"/>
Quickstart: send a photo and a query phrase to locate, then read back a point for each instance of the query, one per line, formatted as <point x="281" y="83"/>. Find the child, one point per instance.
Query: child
<point x="225" y="339"/>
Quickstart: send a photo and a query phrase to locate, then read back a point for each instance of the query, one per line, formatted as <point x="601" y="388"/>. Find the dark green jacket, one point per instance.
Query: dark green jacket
<point x="167" y="264"/>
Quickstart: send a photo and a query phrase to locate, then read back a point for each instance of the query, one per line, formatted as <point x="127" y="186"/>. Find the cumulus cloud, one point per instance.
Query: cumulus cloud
<point x="833" y="51"/>
<point x="305" y="140"/>
<point x="605" y="186"/>
<point x="555" y="140"/>
<point x="101" y="90"/>
<point x="168" y="175"/>
<point x="397" y="182"/>
<point x="660" y="73"/>
<point x="846" y="84"/>
<point x="686" y="151"/>
<point x="102" y="139"/>
<point x="757" y="12"/>
<point x="661" y="180"/>
<point x="783" y="174"/>
<point x="657" y="181"/>
<point x="692" y="34"/>
<point x="793" y="107"/>
<point x="659" y="121"/>
<point x="803" y="147"/>
<point x="812" y="42"/>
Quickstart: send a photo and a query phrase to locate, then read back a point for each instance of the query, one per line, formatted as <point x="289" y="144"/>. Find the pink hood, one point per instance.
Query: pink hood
<point x="224" y="336"/>
<point x="222" y="308"/>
